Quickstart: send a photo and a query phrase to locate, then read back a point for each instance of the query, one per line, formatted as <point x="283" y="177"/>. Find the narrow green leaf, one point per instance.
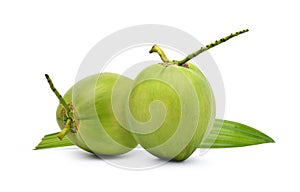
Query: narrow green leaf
<point x="227" y="134"/>
<point x="224" y="134"/>
<point x="51" y="141"/>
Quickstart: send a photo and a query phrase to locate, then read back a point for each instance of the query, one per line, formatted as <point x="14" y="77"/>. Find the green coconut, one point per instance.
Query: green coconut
<point x="171" y="106"/>
<point x="87" y="117"/>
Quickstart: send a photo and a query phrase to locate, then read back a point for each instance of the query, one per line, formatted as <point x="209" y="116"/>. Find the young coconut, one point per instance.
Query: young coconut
<point x="171" y="106"/>
<point x="86" y="117"/>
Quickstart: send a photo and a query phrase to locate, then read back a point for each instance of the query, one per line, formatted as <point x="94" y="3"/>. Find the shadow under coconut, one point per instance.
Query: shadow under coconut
<point x="195" y="159"/>
<point x="81" y="154"/>
<point x="137" y="159"/>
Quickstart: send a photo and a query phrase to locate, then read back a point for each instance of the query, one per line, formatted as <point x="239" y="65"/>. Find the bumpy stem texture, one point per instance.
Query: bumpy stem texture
<point x="160" y="52"/>
<point x="205" y="48"/>
<point x="58" y="95"/>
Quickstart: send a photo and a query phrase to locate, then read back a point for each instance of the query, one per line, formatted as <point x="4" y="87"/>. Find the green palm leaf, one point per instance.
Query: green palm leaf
<point x="225" y="134"/>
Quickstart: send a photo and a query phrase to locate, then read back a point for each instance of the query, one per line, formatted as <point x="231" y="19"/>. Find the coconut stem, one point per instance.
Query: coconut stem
<point x="58" y="95"/>
<point x="65" y="130"/>
<point x="205" y="48"/>
<point x="160" y="52"/>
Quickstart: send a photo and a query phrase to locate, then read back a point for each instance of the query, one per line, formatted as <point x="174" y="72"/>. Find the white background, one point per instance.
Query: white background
<point x="260" y="70"/>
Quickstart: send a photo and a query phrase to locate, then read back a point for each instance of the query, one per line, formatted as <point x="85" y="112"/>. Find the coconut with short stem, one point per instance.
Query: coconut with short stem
<point x="86" y="116"/>
<point x="171" y="105"/>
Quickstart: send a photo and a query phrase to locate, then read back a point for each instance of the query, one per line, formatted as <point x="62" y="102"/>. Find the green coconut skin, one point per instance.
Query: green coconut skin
<point x="95" y="127"/>
<point x="171" y="105"/>
<point x="191" y="90"/>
